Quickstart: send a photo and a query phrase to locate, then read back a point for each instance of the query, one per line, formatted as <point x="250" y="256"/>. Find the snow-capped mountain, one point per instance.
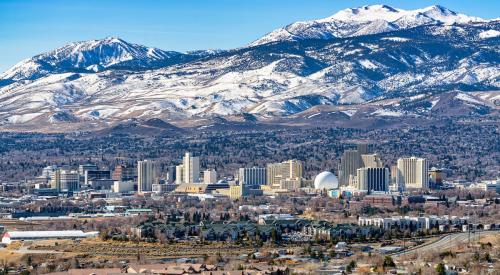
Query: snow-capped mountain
<point x="406" y="71"/>
<point x="92" y="56"/>
<point x="366" y="20"/>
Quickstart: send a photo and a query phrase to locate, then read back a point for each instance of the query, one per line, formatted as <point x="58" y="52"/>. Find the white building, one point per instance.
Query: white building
<point x="412" y="173"/>
<point x="179" y="174"/>
<point x="373" y="179"/>
<point x="82" y="168"/>
<point x="163" y="188"/>
<point x="146" y="174"/>
<point x="371" y="160"/>
<point x="10" y="236"/>
<point x="209" y="176"/>
<point x="65" y="180"/>
<point x="48" y="171"/>
<point x="415" y="223"/>
<point x="326" y="181"/>
<point x="191" y="166"/>
<point x="123" y="186"/>
<point x="487" y="185"/>
<point x="253" y="177"/>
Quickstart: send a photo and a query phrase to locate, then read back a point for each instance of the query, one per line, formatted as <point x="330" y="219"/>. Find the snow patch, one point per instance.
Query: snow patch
<point x="349" y="112"/>
<point x="489" y="34"/>
<point x="23" y="118"/>
<point x="468" y="98"/>
<point x="368" y="64"/>
<point x="396" y="39"/>
<point x="383" y="112"/>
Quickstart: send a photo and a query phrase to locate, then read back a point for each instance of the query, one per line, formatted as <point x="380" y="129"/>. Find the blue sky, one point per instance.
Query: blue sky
<point x="34" y="26"/>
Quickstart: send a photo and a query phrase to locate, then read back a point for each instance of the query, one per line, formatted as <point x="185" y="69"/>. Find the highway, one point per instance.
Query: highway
<point x="446" y="243"/>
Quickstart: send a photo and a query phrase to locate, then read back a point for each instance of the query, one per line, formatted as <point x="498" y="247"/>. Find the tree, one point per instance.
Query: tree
<point x="389" y="262"/>
<point x="351" y="266"/>
<point x="440" y="269"/>
<point x="29" y="261"/>
<point x="274" y="235"/>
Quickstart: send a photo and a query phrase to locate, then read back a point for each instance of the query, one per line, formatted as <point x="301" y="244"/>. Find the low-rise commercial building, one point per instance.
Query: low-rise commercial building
<point x="11" y="236"/>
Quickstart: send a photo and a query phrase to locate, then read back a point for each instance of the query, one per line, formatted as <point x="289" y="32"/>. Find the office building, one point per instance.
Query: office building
<point x="350" y="162"/>
<point x="291" y="184"/>
<point x="171" y="173"/>
<point x="55" y="181"/>
<point x="291" y="169"/>
<point x="179" y="174"/>
<point x="238" y="191"/>
<point x="373" y="179"/>
<point x="209" y="176"/>
<point x="371" y="160"/>
<point x="125" y="173"/>
<point x="191" y="167"/>
<point x="252" y="177"/>
<point x="364" y="149"/>
<point x="102" y="184"/>
<point x="394" y="173"/>
<point x="286" y="170"/>
<point x="86" y="167"/>
<point x="435" y="177"/>
<point x="123" y="186"/>
<point x="412" y="173"/>
<point x="92" y="175"/>
<point x="48" y="171"/>
<point x="65" y="180"/>
<point x="146" y="174"/>
<point x="163" y="188"/>
<point x="273" y="172"/>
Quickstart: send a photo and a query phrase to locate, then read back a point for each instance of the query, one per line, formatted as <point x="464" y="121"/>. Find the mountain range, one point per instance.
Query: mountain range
<point x="371" y="61"/>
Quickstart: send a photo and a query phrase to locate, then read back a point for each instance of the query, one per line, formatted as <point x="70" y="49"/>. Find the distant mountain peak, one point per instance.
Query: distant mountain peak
<point x="89" y="56"/>
<point x="365" y="20"/>
<point x="397" y="63"/>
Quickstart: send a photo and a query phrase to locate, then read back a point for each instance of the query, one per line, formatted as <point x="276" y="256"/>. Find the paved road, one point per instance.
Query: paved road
<point x="447" y="242"/>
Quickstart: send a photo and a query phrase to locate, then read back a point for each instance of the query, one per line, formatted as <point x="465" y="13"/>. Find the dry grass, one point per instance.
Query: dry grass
<point x="493" y="239"/>
<point x="15" y="245"/>
<point x="98" y="248"/>
<point x="10" y="257"/>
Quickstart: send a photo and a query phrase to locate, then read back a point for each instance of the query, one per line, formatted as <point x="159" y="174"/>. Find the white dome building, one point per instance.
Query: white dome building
<point x="326" y="180"/>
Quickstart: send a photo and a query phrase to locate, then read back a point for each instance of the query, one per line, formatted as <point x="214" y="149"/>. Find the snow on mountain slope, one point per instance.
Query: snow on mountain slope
<point x="366" y="20"/>
<point x="489" y="34"/>
<point x="90" y="56"/>
<point x="403" y="71"/>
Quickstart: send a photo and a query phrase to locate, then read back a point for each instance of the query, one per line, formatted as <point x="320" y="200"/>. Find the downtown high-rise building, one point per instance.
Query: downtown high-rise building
<point x="350" y="162"/>
<point x="191" y="166"/>
<point x="273" y="174"/>
<point x="364" y="148"/>
<point x="373" y="179"/>
<point x="209" y="176"/>
<point x="252" y="177"/>
<point x="371" y="160"/>
<point x="179" y="174"/>
<point x="146" y="174"/>
<point x="292" y="169"/>
<point x="287" y="170"/>
<point x="65" y="180"/>
<point x="125" y="173"/>
<point x="82" y="168"/>
<point x="412" y="173"/>
<point x="171" y="173"/>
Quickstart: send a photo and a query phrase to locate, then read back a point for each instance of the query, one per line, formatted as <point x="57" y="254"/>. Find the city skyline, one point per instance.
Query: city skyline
<point x="249" y="137"/>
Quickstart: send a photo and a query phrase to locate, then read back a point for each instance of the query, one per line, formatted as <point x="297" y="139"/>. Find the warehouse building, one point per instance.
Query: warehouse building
<point x="11" y="236"/>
